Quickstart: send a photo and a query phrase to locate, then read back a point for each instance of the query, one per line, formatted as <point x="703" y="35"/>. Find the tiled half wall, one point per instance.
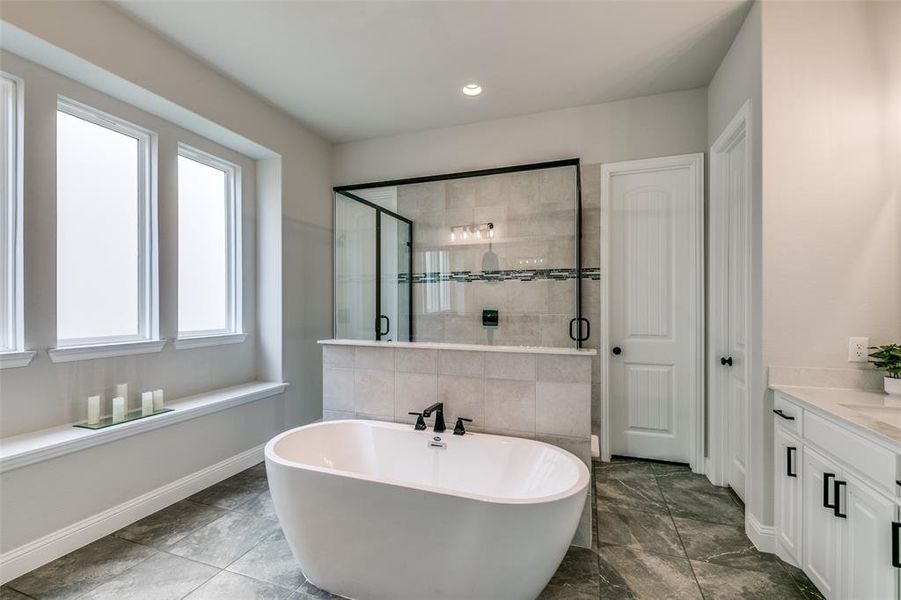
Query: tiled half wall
<point x="532" y="395"/>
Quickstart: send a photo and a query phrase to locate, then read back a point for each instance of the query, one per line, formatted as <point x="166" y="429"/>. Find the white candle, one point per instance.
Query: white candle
<point x="118" y="409"/>
<point x="93" y="410"/>
<point x="157" y="400"/>
<point x="147" y="403"/>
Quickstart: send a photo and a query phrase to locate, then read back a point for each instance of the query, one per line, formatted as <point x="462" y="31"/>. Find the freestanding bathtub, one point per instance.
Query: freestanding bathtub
<point x="379" y="511"/>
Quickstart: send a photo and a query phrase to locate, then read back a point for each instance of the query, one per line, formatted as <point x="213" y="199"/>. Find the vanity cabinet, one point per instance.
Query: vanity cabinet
<point x="835" y="515"/>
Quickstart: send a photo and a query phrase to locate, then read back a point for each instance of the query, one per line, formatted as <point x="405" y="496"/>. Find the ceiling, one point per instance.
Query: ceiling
<point x="358" y="70"/>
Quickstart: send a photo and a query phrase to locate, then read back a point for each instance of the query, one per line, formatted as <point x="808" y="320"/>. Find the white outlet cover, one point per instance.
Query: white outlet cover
<point x="857" y="349"/>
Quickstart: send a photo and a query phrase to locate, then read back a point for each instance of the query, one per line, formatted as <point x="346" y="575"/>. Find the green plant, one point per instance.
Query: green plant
<point x="887" y="358"/>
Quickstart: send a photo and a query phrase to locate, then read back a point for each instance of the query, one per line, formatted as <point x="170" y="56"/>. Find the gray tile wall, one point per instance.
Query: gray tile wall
<point x="539" y="396"/>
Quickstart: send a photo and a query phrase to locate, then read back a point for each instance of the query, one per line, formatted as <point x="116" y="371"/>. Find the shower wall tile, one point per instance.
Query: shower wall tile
<point x="413" y="392"/>
<point x="564" y="369"/>
<point x="527" y="296"/>
<point x="510" y="405"/>
<point x="456" y="362"/>
<point x="563" y="408"/>
<point x="462" y="397"/>
<point x="338" y="356"/>
<point x="374" y="391"/>
<point x="373" y="358"/>
<point x="555" y="330"/>
<point x="501" y="365"/>
<point x="409" y="360"/>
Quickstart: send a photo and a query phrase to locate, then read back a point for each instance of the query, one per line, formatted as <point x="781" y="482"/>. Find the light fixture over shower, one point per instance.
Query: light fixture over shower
<point x="478" y="231"/>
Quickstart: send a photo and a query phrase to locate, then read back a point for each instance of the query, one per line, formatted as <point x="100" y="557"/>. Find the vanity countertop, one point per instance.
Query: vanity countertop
<point x="469" y="347"/>
<point x="874" y="414"/>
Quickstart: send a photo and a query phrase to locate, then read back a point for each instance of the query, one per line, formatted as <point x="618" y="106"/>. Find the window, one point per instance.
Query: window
<point x="209" y="245"/>
<point x="11" y="330"/>
<point x="106" y="231"/>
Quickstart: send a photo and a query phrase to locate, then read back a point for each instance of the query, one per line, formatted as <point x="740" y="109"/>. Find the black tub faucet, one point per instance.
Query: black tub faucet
<point x="438" y="409"/>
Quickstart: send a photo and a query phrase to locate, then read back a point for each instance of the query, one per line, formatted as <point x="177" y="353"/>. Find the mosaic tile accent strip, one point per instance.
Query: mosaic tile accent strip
<point x="592" y="273"/>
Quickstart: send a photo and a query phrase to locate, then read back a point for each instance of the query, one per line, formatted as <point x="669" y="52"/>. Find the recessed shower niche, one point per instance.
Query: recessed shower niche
<point x="422" y="259"/>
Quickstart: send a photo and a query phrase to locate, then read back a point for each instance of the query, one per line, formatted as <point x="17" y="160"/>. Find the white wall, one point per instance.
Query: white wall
<point x="737" y="80"/>
<point x="832" y="211"/>
<point x="293" y="272"/>
<point x="673" y="123"/>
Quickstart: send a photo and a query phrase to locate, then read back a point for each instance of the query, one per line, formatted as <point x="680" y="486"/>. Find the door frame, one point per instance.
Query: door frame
<point x="695" y="164"/>
<point x="738" y="129"/>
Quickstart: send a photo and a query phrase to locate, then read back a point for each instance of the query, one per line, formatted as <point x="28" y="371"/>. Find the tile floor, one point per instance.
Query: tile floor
<point x="661" y="532"/>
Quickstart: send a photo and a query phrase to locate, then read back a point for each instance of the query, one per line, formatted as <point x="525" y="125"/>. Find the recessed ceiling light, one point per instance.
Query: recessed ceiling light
<point x="473" y="89"/>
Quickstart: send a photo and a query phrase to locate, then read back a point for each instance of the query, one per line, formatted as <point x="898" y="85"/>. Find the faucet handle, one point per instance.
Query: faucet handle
<point x="458" y="428"/>
<point x="420" y="421"/>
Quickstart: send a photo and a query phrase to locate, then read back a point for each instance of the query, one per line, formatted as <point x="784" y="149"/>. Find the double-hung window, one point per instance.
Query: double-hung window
<point x="209" y="248"/>
<point x="12" y="353"/>
<point x="106" y="230"/>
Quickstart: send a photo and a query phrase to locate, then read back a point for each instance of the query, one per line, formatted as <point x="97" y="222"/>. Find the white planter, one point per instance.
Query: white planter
<point x="892" y="386"/>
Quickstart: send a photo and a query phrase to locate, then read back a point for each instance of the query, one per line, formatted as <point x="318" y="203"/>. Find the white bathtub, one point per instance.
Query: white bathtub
<point x="371" y="511"/>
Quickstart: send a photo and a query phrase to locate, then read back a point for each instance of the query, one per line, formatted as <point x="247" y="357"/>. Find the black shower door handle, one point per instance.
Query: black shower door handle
<point x="577" y="337"/>
<point x="387" y="325"/>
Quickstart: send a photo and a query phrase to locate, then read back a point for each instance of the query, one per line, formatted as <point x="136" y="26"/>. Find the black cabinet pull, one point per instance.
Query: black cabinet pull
<point x="779" y="412"/>
<point x="896" y="547"/>
<point x="827" y="478"/>
<point x="838" y="499"/>
<point x="789" y="454"/>
<point x="726" y="361"/>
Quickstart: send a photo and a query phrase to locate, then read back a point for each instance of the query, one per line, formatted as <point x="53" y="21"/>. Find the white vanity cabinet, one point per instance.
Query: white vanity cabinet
<point x="836" y="512"/>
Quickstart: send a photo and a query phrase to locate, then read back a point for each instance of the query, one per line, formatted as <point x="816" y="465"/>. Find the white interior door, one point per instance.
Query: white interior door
<point x="730" y="210"/>
<point x="654" y="304"/>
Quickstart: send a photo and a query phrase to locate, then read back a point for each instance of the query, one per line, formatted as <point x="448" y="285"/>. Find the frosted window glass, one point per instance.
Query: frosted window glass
<point x="97" y="247"/>
<point x="203" y="248"/>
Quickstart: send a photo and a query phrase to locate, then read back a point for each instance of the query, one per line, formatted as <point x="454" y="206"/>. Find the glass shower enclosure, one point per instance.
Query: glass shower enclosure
<point x="373" y="267"/>
<point x="485" y="257"/>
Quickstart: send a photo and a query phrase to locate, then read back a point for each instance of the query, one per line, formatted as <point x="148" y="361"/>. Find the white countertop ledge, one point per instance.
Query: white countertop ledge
<point x="463" y="347"/>
<point x="839" y="404"/>
<point x="29" y="448"/>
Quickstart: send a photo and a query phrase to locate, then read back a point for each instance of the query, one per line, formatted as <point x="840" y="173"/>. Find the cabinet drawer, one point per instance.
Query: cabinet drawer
<point x="788" y="413"/>
<point x="863" y="456"/>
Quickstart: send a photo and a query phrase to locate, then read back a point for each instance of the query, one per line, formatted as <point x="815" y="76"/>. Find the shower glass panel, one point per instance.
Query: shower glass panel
<point x="495" y="257"/>
<point x="372" y="267"/>
<point x="355" y="269"/>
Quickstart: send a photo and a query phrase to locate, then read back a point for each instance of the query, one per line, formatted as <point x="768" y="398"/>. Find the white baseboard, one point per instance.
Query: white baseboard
<point x="762" y="536"/>
<point x="32" y="555"/>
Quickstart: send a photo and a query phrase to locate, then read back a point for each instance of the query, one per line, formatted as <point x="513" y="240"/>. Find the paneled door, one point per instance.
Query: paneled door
<point x="652" y="245"/>
<point x="730" y="251"/>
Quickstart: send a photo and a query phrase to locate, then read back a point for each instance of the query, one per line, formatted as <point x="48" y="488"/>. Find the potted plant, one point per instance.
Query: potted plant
<point x="888" y="358"/>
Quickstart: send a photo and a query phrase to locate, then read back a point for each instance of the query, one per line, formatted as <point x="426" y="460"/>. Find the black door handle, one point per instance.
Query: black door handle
<point x="779" y="412"/>
<point x="617" y="350"/>
<point x="789" y="454"/>
<point x="726" y="361"/>
<point x="827" y="478"/>
<point x="387" y="325"/>
<point x="579" y="337"/>
<point x="896" y="547"/>
<point x="838" y="499"/>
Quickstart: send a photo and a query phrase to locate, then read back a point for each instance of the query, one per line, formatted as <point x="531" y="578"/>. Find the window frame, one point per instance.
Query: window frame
<point x="148" y="240"/>
<point x="12" y="314"/>
<point x="234" y="331"/>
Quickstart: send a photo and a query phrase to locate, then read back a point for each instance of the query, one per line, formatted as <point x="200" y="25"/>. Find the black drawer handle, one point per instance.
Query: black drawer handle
<point x="827" y="478"/>
<point x="896" y="547"/>
<point x="838" y="499"/>
<point x="779" y="412"/>
<point x="789" y="456"/>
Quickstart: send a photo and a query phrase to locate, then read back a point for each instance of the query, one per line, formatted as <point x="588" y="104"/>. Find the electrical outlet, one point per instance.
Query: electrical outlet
<point x="857" y="349"/>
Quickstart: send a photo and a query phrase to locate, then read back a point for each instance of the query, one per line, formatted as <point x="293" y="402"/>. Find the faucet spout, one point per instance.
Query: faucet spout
<point x="438" y="409"/>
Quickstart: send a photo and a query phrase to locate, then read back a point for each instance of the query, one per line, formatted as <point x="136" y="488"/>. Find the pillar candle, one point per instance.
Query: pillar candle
<point x="147" y="403"/>
<point x="118" y="409"/>
<point x="157" y="400"/>
<point x="93" y="410"/>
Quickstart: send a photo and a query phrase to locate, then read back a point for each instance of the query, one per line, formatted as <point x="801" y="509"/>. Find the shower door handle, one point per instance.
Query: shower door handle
<point x="577" y="337"/>
<point x="387" y="325"/>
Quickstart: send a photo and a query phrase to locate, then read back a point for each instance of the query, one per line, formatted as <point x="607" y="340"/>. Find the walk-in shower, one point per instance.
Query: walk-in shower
<point x="483" y="257"/>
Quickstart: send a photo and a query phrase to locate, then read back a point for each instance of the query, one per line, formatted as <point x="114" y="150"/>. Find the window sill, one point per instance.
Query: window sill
<point x="16" y="358"/>
<point x="73" y="353"/>
<point x="29" y="448"/>
<point x="209" y="340"/>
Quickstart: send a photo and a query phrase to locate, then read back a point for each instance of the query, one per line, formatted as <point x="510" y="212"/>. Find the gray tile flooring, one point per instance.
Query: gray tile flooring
<point x="661" y="532"/>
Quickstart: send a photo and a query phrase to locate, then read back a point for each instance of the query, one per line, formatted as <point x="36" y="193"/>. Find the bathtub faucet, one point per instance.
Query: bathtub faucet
<point x="438" y="409"/>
